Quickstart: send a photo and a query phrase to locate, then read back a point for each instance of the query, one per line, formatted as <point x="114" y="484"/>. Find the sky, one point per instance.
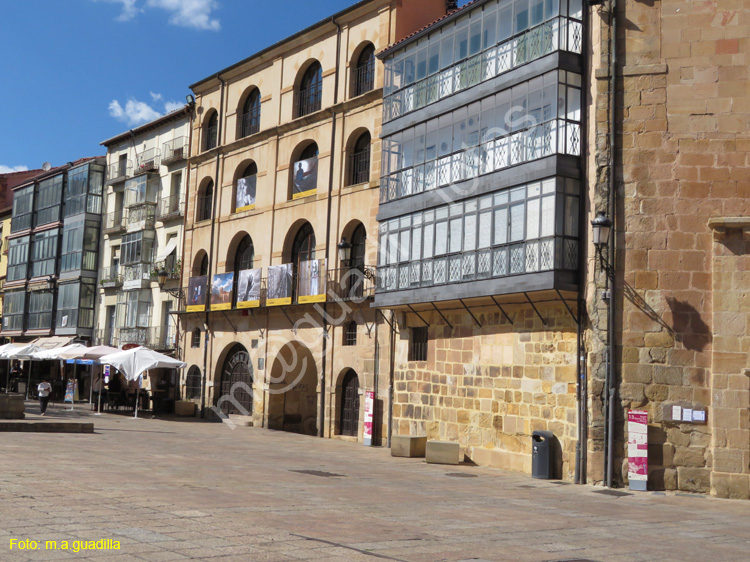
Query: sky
<point x="76" y="72"/>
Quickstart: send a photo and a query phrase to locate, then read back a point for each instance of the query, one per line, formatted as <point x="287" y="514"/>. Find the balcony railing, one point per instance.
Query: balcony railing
<point x="251" y="122"/>
<point x="114" y="222"/>
<point x="111" y="277"/>
<point x="137" y="274"/>
<point x="143" y="217"/>
<point x="170" y="208"/>
<point x="148" y="161"/>
<point x="155" y="337"/>
<point x="204" y="207"/>
<point x="174" y="151"/>
<point x="308" y="100"/>
<point x="558" y="33"/>
<point x="119" y="171"/>
<point x="364" y="78"/>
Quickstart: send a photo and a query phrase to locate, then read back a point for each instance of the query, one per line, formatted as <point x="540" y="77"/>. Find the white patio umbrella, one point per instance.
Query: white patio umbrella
<point x="72" y="351"/>
<point x="95" y="353"/>
<point x="3" y="348"/>
<point x="132" y="363"/>
<point x="22" y="353"/>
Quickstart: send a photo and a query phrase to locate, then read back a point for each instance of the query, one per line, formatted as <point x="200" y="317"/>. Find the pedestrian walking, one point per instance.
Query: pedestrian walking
<point x="44" y="390"/>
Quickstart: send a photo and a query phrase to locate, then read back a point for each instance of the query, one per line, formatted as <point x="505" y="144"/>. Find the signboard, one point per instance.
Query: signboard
<point x="221" y="291"/>
<point x="305" y="178"/>
<point x="106" y="373"/>
<point x="80" y="361"/>
<point x="196" y="297"/>
<point x="248" y="288"/>
<point x="312" y="281"/>
<point x="638" y="449"/>
<point x="279" y="285"/>
<point x="369" y="409"/>
<point x="245" y="196"/>
<point x="70" y="390"/>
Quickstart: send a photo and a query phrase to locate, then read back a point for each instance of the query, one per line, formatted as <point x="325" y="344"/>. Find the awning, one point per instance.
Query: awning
<point x="53" y="342"/>
<point x="168" y="249"/>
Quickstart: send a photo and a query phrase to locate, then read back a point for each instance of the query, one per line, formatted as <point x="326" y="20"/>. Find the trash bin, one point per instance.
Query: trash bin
<point x="542" y="458"/>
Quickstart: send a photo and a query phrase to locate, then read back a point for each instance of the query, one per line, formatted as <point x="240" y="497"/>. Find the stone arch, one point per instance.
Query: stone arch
<point x="348" y="403"/>
<point x="293" y="390"/>
<point x="200" y="259"/>
<point x="234" y="394"/>
<point x="193" y="384"/>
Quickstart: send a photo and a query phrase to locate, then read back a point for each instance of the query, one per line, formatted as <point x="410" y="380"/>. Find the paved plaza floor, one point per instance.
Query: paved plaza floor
<point x="170" y="489"/>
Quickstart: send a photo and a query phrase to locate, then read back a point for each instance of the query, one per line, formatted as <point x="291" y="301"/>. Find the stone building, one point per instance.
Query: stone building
<point x="284" y="177"/>
<point x="478" y="261"/>
<point x="679" y="173"/>
<point x="142" y="232"/>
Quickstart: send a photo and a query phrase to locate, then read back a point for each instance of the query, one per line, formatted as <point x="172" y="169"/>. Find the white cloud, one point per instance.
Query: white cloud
<point x="129" y="9"/>
<point x="11" y="169"/>
<point x="137" y="112"/>
<point x="189" y="13"/>
<point x="134" y="113"/>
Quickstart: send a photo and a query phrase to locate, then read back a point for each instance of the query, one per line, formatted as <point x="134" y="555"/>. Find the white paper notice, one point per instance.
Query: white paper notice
<point x="676" y="413"/>
<point x="699" y="416"/>
<point x="687" y="414"/>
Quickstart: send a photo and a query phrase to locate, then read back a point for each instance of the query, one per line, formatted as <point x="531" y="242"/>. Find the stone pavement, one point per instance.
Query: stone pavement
<point x="170" y="489"/>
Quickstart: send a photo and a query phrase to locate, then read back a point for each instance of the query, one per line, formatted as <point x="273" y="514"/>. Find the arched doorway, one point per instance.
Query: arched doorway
<point x="293" y="391"/>
<point x="349" y="413"/>
<point x="237" y="382"/>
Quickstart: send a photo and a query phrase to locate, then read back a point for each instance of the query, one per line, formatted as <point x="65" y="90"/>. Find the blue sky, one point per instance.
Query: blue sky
<point x="76" y="72"/>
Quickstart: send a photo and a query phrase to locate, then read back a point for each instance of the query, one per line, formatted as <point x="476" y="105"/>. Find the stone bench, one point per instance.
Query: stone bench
<point x="184" y="408"/>
<point x="12" y="407"/>
<point x="443" y="452"/>
<point x="407" y="446"/>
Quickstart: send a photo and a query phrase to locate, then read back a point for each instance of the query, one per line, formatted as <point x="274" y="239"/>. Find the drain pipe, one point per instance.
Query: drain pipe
<point x="206" y="324"/>
<point x="322" y="414"/>
<point x="611" y="387"/>
<point x="391" y="369"/>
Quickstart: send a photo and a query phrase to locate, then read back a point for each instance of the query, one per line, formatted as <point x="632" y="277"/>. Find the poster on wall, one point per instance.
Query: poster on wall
<point x="245" y="197"/>
<point x="279" y="285"/>
<point x="312" y="281"/>
<point x="248" y="288"/>
<point x="305" y="178"/>
<point x="369" y="409"/>
<point x="638" y="449"/>
<point x="221" y="291"/>
<point x="196" y="297"/>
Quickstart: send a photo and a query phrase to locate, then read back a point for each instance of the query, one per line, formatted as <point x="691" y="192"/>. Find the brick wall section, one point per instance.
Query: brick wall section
<point x="488" y="388"/>
<point x="682" y="159"/>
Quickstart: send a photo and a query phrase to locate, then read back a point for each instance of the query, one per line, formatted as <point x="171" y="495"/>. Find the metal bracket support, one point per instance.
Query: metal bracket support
<point x="470" y="312"/>
<point x="535" y="310"/>
<point x="230" y="322"/>
<point x="294" y="328"/>
<point x="385" y="318"/>
<point x="257" y="326"/>
<point x="426" y="323"/>
<point x="575" y="318"/>
<point x="501" y="310"/>
<point x="364" y="320"/>
<point x="442" y="316"/>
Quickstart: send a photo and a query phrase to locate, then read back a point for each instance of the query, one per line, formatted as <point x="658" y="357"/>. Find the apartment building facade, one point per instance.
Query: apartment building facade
<point x="280" y="237"/>
<point x="142" y="238"/>
<point x="53" y="253"/>
<point x="479" y="228"/>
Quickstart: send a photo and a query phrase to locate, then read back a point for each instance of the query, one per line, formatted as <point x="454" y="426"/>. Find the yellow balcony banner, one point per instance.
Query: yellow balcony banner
<point x="221" y="291"/>
<point x="279" y="302"/>
<point x="311" y="286"/>
<point x="279" y="285"/>
<point x="248" y="288"/>
<point x="196" y="297"/>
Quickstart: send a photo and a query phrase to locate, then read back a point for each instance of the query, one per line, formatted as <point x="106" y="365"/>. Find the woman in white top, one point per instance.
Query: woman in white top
<point x="44" y="390"/>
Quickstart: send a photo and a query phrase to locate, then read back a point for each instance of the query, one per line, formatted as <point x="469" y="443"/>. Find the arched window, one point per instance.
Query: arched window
<point x="193" y="383"/>
<point x="305" y="172"/>
<point x="243" y="260"/>
<point x="212" y="131"/>
<point x="205" y="201"/>
<point x="364" y="73"/>
<point x="244" y="197"/>
<point x="359" y="160"/>
<point x="310" y="92"/>
<point x="349" y="413"/>
<point x="250" y="123"/>
<point x="204" y="266"/>
<point x="196" y="339"/>
<point x="357" y="262"/>
<point x="303" y="248"/>
<point x="350" y="333"/>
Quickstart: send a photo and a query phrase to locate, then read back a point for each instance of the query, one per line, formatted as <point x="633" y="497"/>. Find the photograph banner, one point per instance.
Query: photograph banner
<point x="221" y="291"/>
<point x="279" y="285"/>
<point x="196" y="297"/>
<point x="312" y="281"/>
<point x="305" y="181"/>
<point x="245" y="197"/>
<point x="248" y="288"/>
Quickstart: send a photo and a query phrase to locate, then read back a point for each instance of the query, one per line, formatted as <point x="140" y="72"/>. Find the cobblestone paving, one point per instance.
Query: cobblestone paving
<point x="186" y="490"/>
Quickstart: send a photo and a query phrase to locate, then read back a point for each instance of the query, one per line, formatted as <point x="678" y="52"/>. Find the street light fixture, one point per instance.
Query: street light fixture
<point x="161" y="276"/>
<point x="345" y="251"/>
<point x="601" y="226"/>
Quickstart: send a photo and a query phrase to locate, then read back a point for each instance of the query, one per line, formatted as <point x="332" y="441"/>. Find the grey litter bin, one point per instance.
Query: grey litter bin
<point x="542" y="461"/>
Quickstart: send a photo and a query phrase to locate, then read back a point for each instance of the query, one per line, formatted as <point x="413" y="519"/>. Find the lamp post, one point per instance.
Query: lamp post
<point x="601" y="227"/>
<point x="345" y="251"/>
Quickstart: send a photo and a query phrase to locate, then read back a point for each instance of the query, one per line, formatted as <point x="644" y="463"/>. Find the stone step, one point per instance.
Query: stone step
<point x="242" y="421"/>
<point x="33" y="426"/>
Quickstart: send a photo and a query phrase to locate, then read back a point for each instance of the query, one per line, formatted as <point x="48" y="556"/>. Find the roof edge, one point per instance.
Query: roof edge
<point x="177" y="113"/>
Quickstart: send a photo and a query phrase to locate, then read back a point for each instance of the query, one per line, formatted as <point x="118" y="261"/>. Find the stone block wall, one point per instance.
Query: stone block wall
<point x="489" y="387"/>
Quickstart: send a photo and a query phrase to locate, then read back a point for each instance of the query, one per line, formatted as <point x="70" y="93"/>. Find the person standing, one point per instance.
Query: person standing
<point x="97" y="388"/>
<point x="43" y="390"/>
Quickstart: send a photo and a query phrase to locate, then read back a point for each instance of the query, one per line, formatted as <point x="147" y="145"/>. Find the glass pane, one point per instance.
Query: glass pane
<point x="501" y="226"/>
<point x="470" y="232"/>
<point x="516" y="222"/>
<point x="532" y="218"/>
<point x="456" y="227"/>
<point x="441" y="238"/>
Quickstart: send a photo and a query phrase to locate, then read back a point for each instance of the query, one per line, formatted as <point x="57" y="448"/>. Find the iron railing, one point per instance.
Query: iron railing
<point x="111" y="277"/>
<point x="204" y="207"/>
<point x="359" y="167"/>
<point x="174" y="151"/>
<point x="308" y="100"/>
<point x="138" y="272"/>
<point x="148" y="161"/>
<point x="119" y="171"/>
<point x="114" y="222"/>
<point x="364" y="78"/>
<point x="250" y="122"/>
<point x="144" y="216"/>
<point x="169" y="208"/>
<point x="155" y="337"/>
<point x="211" y="140"/>
<point x="559" y="33"/>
